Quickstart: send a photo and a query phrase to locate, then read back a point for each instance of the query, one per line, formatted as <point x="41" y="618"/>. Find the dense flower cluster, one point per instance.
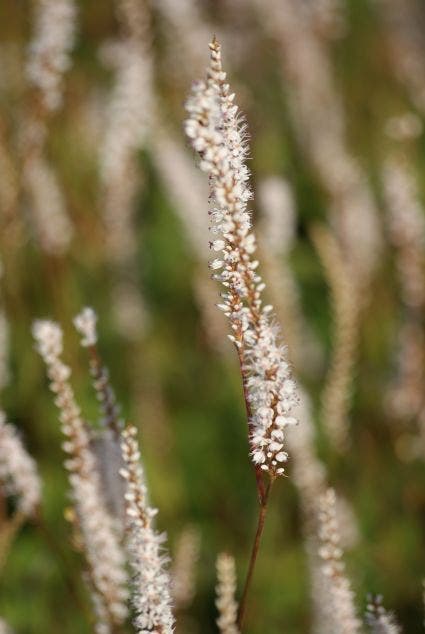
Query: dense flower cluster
<point x="101" y="546"/>
<point x="18" y="470"/>
<point x="225" y="590"/>
<point x="49" y="53"/>
<point x="151" y="596"/>
<point x="340" y="601"/>
<point x="215" y="130"/>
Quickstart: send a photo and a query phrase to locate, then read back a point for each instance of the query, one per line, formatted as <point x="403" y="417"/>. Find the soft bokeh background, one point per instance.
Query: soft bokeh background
<point x="183" y="392"/>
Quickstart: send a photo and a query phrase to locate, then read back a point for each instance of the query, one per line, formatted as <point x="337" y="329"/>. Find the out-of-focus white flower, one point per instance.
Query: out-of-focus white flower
<point x="340" y="597"/>
<point x="48" y="209"/>
<point x="346" y="302"/>
<point x="328" y="17"/>
<point x="184" y="567"/>
<point x="128" y="119"/>
<point x="130" y="110"/>
<point x="225" y="591"/>
<point x="85" y="323"/>
<point x="406" y="223"/>
<point x="18" y="470"/>
<point x="319" y="118"/>
<point x="185" y="186"/>
<point x="276" y="232"/>
<point x="188" y="192"/>
<point x="4" y="627"/>
<point x="189" y="31"/>
<point x="48" y="60"/>
<point x="404" y="127"/>
<point x="130" y="313"/>
<point x="379" y="620"/>
<point x="278" y="208"/>
<point x="403" y="25"/>
<point x="50" y="48"/>
<point x="308" y="471"/>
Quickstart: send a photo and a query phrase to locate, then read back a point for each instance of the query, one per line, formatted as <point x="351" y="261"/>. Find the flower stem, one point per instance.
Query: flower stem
<point x="255" y="547"/>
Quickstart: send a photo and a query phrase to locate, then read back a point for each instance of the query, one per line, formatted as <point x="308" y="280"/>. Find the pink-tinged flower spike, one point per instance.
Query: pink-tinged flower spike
<point x="340" y="607"/>
<point x="151" y="595"/>
<point x="18" y="470"/>
<point x="379" y="620"/>
<point x="100" y="542"/>
<point x="215" y="130"/>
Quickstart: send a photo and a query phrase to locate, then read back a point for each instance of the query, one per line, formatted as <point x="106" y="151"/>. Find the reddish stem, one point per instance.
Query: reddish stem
<point x="255" y="548"/>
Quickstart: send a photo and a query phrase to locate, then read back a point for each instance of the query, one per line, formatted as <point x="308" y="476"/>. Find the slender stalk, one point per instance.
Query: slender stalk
<point x="255" y="548"/>
<point x="110" y="407"/>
